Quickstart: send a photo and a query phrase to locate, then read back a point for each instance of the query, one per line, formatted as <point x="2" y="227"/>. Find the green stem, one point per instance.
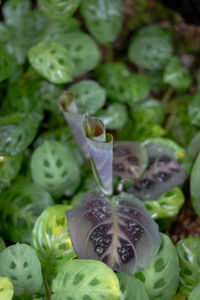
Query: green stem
<point x="47" y="288"/>
<point x="109" y="52"/>
<point x="167" y="97"/>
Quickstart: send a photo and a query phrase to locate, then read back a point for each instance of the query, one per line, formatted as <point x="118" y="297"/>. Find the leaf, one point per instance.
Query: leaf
<point x="50" y="237"/>
<point x="194" y="186"/>
<point x="120" y="233"/>
<point x="54" y="168"/>
<point x="193" y="109"/>
<point x="194" y="146"/>
<point x="162" y="173"/>
<point x="195" y="294"/>
<point x="176" y="75"/>
<point x="85" y="279"/>
<point x="52" y="61"/>
<point x="161" y="276"/>
<point x="58" y="9"/>
<point x="14" y="10"/>
<point x="85" y="91"/>
<point x="150" y="48"/>
<point x="189" y="252"/>
<point x="2" y="244"/>
<point x="167" y="205"/>
<point x="21" y="264"/>
<point x="103" y="19"/>
<point x="129" y="159"/>
<point x="8" y="64"/>
<point x="17" y="134"/>
<point x="6" y="288"/>
<point x="100" y="148"/>
<point x="132" y="288"/>
<point x="20" y="205"/>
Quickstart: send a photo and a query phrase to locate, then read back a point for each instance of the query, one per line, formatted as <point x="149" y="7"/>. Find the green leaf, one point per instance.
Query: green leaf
<point x="194" y="146"/>
<point x="8" y="64"/>
<point x="15" y="10"/>
<point x="194" y="186"/>
<point x="195" y="294"/>
<point x="103" y="18"/>
<point x="85" y="279"/>
<point x="150" y="48"/>
<point x="20" y="205"/>
<point x="132" y="288"/>
<point x="21" y="264"/>
<point x="52" y="61"/>
<point x="83" y="51"/>
<point x="176" y="75"/>
<point x="167" y="205"/>
<point x="54" y="168"/>
<point x="89" y="96"/>
<point x="189" y="254"/>
<point x="17" y="135"/>
<point x="6" y="288"/>
<point x="161" y="276"/>
<point x="2" y="244"/>
<point x="50" y="238"/>
<point x="194" y="108"/>
<point x="58" y="9"/>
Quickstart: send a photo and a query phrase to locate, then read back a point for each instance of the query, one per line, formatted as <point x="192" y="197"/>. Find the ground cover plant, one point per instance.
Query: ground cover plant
<point x="99" y="151"/>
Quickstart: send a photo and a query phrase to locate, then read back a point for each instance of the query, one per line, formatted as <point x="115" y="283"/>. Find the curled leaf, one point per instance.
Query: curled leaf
<point x="120" y="233"/>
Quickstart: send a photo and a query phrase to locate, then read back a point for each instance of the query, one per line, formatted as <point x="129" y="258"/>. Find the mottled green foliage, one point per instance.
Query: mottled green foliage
<point x="103" y="18"/>
<point x="20" y="205"/>
<point x="21" y="264"/>
<point x="85" y="280"/>
<point x="161" y="277"/>
<point x="194" y="185"/>
<point x="14" y="10"/>
<point x="51" y="60"/>
<point x="189" y="255"/>
<point x="54" y="168"/>
<point x="194" y="109"/>
<point x="8" y="64"/>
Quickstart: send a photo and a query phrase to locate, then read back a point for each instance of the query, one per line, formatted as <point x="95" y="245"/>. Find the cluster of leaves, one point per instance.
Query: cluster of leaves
<point x="59" y="221"/>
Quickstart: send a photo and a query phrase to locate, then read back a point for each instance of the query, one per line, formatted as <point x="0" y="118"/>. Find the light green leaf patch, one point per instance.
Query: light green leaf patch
<point x="6" y="289"/>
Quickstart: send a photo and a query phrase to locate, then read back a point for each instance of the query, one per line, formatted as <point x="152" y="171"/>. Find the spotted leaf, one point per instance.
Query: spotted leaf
<point x="119" y="232"/>
<point x="162" y="173"/>
<point x="129" y="159"/>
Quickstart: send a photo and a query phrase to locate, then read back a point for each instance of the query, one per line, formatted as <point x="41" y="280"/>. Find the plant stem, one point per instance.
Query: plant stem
<point x="109" y="52"/>
<point x="167" y="97"/>
<point x="47" y="288"/>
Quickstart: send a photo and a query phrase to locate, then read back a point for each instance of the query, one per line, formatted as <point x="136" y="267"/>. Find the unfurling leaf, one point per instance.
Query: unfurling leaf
<point x="100" y="147"/>
<point x="129" y="160"/>
<point x="162" y="173"/>
<point x="120" y="233"/>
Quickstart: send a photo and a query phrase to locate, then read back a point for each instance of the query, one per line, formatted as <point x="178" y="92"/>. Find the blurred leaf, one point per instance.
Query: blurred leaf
<point x="6" y="288"/>
<point x="194" y="146"/>
<point x="2" y="244"/>
<point x="161" y="276"/>
<point x="189" y="253"/>
<point x="103" y="19"/>
<point x="15" y="10"/>
<point x="194" y="109"/>
<point x="8" y="64"/>
<point x="77" y="280"/>
<point x="21" y="264"/>
<point x="195" y="294"/>
<point x="194" y="186"/>
<point x="119" y="232"/>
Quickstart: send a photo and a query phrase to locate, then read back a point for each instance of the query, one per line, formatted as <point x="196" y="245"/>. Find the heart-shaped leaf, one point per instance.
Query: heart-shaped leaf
<point x="129" y="159"/>
<point x="87" y="280"/>
<point x="120" y="233"/>
<point x="6" y="288"/>
<point x="21" y="264"/>
<point x="51" y="60"/>
<point x="161" y="175"/>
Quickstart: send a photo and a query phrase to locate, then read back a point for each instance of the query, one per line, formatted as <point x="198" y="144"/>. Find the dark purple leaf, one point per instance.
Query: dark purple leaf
<point x="119" y="232"/>
<point x="129" y="159"/>
<point x="162" y="173"/>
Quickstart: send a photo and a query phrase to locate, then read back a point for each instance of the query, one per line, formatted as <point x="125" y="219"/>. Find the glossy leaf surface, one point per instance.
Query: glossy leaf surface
<point x="58" y="9"/>
<point x="51" y="60"/>
<point x="86" y="279"/>
<point x="129" y="159"/>
<point x="8" y="64"/>
<point x="21" y="264"/>
<point x="21" y="204"/>
<point x="195" y="294"/>
<point x="167" y="205"/>
<point x="189" y="255"/>
<point x="194" y="185"/>
<point x="89" y="96"/>
<point x="120" y="233"/>
<point x="161" y="276"/>
<point x="103" y="18"/>
<point x="132" y="288"/>
<point x="6" y="288"/>
<point x="161" y="174"/>
<point x="150" y="48"/>
<point x="54" y="168"/>
<point x="50" y="237"/>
